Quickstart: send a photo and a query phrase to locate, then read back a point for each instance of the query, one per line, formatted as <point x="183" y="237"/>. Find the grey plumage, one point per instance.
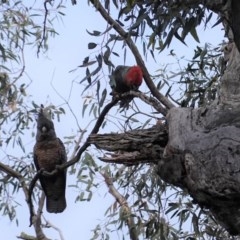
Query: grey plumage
<point x="49" y="151"/>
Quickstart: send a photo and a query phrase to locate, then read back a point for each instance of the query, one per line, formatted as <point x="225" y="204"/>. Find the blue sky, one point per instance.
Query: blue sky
<point x="66" y="52"/>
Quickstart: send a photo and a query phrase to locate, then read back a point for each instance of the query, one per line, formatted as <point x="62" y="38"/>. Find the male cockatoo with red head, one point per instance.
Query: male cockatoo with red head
<point x="124" y="79"/>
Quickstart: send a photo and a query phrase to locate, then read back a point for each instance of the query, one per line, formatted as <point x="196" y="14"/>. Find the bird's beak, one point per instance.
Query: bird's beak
<point x="44" y="129"/>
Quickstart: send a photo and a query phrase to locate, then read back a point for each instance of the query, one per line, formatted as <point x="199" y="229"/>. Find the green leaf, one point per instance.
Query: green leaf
<point x="91" y="45"/>
<point x="194" y="34"/>
<point x="87" y="64"/>
<point x="104" y="94"/>
<point x="94" y="33"/>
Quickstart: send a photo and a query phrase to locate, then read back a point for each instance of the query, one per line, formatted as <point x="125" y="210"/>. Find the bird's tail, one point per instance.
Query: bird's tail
<point x="56" y="205"/>
<point x="54" y="188"/>
<point x="124" y="103"/>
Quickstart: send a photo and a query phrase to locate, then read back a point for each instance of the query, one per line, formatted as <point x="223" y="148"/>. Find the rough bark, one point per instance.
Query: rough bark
<point x="207" y="146"/>
<point x="235" y="21"/>
<point x="202" y="156"/>
<point x="137" y="146"/>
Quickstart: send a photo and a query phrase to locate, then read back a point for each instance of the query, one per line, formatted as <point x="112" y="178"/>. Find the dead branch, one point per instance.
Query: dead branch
<point x="124" y="205"/>
<point x="133" y="147"/>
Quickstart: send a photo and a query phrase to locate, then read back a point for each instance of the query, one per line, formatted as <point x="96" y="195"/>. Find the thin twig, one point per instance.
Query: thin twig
<point x="29" y="200"/>
<point x="49" y="224"/>
<point x="149" y="100"/>
<point x="165" y="101"/>
<point x="44" y="26"/>
<point x="124" y="205"/>
<point x="23" y="66"/>
<point x="66" y="101"/>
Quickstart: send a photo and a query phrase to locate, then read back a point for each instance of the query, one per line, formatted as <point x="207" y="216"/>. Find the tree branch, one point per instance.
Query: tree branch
<point x="49" y="224"/>
<point x="149" y="100"/>
<point x="37" y="220"/>
<point x="165" y="101"/>
<point x="37" y="226"/>
<point x="29" y="200"/>
<point x="25" y="236"/>
<point x="133" y="158"/>
<point x="94" y="131"/>
<point x="133" y="147"/>
<point x="8" y="170"/>
<point x="44" y="26"/>
<point x="127" y="214"/>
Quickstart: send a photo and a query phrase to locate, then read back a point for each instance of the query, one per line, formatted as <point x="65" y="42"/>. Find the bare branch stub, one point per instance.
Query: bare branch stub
<point x="133" y="147"/>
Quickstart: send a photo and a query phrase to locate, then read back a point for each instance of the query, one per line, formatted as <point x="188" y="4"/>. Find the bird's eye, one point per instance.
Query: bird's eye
<point x="44" y="129"/>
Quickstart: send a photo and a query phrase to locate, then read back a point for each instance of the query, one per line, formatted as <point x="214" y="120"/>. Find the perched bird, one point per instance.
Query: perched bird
<point x="124" y="79"/>
<point x="49" y="151"/>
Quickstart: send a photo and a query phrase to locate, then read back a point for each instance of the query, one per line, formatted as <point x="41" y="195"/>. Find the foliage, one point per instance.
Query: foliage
<point x="160" y="211"/>
<point x="199" y="79"/>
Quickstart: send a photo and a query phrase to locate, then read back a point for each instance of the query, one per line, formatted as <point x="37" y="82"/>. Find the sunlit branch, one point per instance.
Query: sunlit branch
<point x="127" y="213"/>
<point x="25" y="236"/>
<point x="165" y="101"/>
